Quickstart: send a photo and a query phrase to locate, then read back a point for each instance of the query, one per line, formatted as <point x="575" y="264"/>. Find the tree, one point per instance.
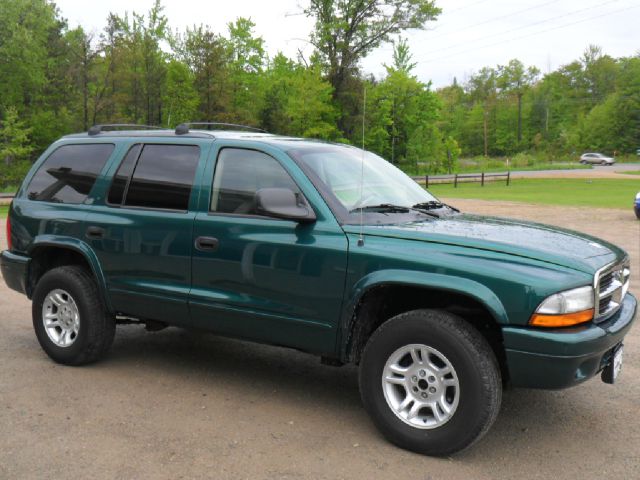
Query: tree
<point x="401" y="57"/>
<point x="25" y="29"/>
<point x="514" y="79"/>
<point x="348" y="30"/>
<point x="81" y="62"/>
<point x="14" y="138"/>
<point x="297" y="101"/>
<point x="402" y="115"/>
<point x="206" y="55"/>
<point x="482" y="88"/>
<point x="180" y="96"/>
<point x="139" y="64"/>
<point x="247" y="56"/>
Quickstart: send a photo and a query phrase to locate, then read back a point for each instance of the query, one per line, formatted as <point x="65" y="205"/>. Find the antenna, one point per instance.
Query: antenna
<point x="364" y="114"/>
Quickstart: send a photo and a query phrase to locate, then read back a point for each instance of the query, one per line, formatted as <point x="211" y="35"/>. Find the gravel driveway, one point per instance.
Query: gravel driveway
<point x="175" y="404"/>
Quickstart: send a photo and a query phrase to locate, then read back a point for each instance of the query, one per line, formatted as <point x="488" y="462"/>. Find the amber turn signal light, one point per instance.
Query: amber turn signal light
<point x="561" y="320"/>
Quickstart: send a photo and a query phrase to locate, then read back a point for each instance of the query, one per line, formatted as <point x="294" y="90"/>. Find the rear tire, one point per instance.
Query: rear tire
<point x="448" y="392"/>
<point x="70" y="320"/>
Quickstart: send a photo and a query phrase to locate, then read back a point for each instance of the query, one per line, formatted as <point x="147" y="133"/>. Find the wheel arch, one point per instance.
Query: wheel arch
<point x="382" y="295"/>
<point x="49" y="252"/>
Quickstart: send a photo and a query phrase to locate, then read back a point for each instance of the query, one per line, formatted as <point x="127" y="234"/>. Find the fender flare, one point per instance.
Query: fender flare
<point x="81" y="248"/>
<point x="434" y="281"/>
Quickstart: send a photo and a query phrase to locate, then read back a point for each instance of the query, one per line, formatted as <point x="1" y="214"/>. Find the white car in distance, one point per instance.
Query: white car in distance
<point x="596" y="159"/>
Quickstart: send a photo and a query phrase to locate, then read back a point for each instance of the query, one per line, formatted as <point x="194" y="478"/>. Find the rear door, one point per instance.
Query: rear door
<point x="264" y="278"/>
<point x="141" y="229"/>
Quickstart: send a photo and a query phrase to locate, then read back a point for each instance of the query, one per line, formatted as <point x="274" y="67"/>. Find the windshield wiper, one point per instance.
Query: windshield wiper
<point x="383" y="207"/>
<point x="391" y="208"/>
<point x="433" y="205"/>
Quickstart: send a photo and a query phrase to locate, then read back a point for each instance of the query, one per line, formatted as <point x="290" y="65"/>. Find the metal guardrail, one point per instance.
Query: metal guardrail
<point x="458" y="178"/>
<point x="7" y="195"/>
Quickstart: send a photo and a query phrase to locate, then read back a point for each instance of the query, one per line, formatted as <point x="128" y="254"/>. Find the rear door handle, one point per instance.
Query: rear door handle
<point x="95" y="232"/>
<point x="207" y="244"/>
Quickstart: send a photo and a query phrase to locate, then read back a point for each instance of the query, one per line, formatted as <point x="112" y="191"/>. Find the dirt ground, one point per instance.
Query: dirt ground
<point x="173" y="405"/>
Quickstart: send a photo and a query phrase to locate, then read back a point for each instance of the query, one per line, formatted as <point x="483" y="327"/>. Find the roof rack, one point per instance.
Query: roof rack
<point x="183" y="128"/>
<point x="96" y="129"/>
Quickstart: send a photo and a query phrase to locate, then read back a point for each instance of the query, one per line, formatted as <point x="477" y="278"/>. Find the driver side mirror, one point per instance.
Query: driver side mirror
<point x="284" y="203"/>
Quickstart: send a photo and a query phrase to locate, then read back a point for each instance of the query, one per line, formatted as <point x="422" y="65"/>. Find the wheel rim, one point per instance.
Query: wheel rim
<point x="421" y="386"/>
<point x="61" y="318"/>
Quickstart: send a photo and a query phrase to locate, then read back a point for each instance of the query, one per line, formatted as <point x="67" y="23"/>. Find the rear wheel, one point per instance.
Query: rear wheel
<point x="71" y="323"/>
<point x="430" y="382"/>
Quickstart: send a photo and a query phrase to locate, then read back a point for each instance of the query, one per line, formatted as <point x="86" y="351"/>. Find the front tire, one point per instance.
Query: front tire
<point x="70" y="320"/>
<point x="430" y="382"/>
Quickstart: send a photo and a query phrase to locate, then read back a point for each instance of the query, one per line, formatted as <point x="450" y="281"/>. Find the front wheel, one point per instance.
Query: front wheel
<point x="430" y="382"/>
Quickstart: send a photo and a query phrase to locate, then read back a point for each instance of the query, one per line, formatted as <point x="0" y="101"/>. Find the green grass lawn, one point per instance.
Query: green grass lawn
<point x="631" y="172"/>
<point x="604" y="193"/>
<point x="3" y="211"/>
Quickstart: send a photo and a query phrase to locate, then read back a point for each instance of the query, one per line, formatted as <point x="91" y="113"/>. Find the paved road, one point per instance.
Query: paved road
<point x="174" y="404"/>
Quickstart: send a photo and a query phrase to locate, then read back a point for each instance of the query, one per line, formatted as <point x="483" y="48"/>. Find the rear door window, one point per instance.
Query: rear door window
<point x="156" y="176"/>
<point x="69" y="173"/>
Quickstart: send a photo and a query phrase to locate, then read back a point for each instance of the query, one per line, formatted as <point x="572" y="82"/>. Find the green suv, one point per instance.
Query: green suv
<point x="319" y="247"/>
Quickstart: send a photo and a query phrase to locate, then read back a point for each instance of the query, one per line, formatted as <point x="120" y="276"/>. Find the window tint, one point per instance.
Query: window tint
<point x="68" y="174"/>
<point x="163" y="177"/>
<point x="116" y="192"/>
<point x="240" y="174"/>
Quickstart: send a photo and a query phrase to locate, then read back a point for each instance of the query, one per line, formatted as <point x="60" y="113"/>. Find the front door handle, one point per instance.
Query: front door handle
<point x="207" y="244"/>
<point x="95" y="233"/>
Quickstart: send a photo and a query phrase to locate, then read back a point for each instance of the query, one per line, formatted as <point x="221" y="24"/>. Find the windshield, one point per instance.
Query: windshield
<point x="341" y="171"/>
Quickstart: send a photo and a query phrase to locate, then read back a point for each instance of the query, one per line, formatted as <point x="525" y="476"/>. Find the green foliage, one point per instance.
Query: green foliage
<point x="401" y="120"/>
<point x="401" y="57"/>
<point x="180" y="96"/>
<point x="14" y="138"/>
<point x="11" y="176"/>
<point x="298" y="101"/>
<point x="25" y="30"/>
<point x="346" y="31"/>
<point x="62" y="80"/>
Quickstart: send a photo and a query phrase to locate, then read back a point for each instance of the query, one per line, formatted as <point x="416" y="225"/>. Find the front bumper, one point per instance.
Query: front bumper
<point x="14" y="270"/>
<point x="557" y="359"/>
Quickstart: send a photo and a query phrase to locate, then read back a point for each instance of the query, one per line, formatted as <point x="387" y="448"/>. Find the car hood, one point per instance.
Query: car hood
<point x="516" y="237"/>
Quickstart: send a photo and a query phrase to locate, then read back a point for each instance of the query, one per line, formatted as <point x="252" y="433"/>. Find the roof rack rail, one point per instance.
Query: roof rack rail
<point x="183" y="128"/>
<point x="96" y="129"/>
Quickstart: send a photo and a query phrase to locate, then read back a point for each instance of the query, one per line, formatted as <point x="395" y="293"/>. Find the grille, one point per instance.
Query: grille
<point x="611" y="285"/>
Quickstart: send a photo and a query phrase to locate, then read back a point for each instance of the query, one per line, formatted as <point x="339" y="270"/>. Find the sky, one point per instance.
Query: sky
<point x="468" y="35"/>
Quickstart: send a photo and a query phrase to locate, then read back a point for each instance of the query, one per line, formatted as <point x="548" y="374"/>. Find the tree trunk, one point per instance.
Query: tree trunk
<point x="486" y="139"/>
<point x="519" y="118"/>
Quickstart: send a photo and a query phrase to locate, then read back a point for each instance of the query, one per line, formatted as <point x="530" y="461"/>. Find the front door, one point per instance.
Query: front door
<point x="263" y="278"/>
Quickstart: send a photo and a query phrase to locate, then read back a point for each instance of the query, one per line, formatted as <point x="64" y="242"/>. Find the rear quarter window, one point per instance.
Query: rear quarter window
<point x="69" y="173"/>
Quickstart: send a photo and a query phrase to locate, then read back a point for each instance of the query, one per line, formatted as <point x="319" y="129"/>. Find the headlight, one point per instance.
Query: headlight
<point x="565" y="309"/>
